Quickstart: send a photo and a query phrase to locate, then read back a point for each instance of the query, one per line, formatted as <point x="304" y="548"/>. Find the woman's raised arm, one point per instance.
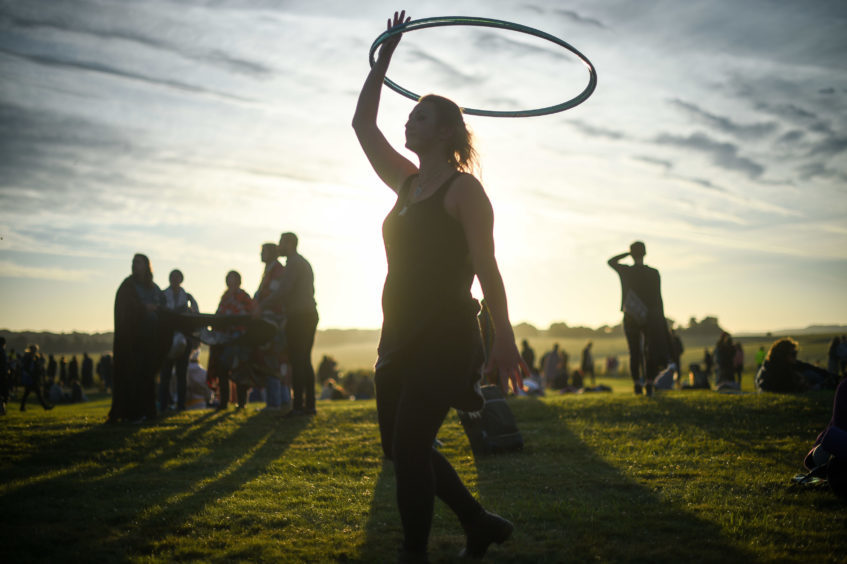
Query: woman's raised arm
<point x="392" y="167"/>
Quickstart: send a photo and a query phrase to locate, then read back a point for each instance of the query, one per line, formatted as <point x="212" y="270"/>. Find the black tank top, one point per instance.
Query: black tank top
<point x="429" y="268"/>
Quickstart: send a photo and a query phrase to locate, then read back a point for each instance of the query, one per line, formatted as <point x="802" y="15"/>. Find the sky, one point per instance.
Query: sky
<point x="195" y="131"/>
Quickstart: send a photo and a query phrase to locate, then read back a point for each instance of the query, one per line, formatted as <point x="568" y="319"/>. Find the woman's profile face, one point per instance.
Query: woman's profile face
<point x="421" y="127"/>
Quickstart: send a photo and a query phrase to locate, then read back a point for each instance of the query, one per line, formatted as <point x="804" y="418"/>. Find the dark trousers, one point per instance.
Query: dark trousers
<point x="408" y="424"/>
<point x="224" y="358"/>
<point x="37" y="390"/>
<point x="4" y="386"/>
<point x="634" y="335"/>
<point x="240" y="392"/>
<point x="300" y="335"/>
<point x="181" y="365"/>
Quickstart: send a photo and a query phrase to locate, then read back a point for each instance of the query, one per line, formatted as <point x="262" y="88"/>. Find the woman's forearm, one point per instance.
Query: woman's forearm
<point x="494" y="292"/>
<point x="368" y="104"/>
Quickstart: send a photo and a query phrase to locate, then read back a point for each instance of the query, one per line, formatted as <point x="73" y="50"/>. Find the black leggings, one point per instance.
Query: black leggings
<point x="652" y="349"/>
<point x="409" y="420"/>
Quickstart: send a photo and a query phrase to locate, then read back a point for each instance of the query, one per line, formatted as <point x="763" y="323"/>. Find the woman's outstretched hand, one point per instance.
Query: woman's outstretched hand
<point x="507" y="362"/>
<point x="388" y="46"/>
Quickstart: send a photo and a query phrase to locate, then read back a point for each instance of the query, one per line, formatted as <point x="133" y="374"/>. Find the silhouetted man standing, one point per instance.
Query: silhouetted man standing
<point x="298" y="291"/>
<point x="644" y="316"/>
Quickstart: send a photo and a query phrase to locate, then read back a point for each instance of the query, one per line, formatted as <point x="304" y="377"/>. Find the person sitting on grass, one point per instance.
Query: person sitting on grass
<point x="55" y="393"/>
<point x="828" y="456"/>
<point x="782" y="372"/>
<point x="532" y="385"/>
<point x="332" y="391"/>
<point x="698" y="379"/>
<point x="77" y="393"/>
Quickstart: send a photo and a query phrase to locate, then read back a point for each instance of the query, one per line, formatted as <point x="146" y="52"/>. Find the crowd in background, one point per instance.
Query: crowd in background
<point x="56" y="379"/>
<point x="38" y="375"/>
<point x="776" y="369"/>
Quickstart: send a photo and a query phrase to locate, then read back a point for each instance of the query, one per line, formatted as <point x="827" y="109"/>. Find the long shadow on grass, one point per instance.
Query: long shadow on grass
<point x="383" y="531"/>
<point x="570" y="504"/>
<point x="140" y="484"/>
<point x="60" y="452"/>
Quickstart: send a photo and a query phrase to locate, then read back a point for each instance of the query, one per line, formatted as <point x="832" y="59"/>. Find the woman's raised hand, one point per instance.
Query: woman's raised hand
<point x="388" y="46"/>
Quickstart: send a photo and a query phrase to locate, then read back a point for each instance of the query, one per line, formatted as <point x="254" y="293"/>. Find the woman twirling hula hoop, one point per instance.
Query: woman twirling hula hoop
<point x="438" y="236"/>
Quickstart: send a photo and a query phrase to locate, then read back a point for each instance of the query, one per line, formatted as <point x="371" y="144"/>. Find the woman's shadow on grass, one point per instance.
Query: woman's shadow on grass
<point x="568" y="504"/>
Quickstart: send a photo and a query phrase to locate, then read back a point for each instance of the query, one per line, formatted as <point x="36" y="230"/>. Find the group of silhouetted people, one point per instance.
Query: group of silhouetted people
<point x="156" y="332"/>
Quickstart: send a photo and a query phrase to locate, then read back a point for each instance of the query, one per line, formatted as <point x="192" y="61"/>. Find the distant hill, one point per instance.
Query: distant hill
<point x="813" y="330"/>
<point x="706" y="330"/>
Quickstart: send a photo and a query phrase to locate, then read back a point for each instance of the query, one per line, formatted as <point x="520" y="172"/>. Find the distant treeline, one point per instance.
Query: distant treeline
<point x="59" y="343"/>
<point x="706" y="330"/>
<point x="75" y="343"/>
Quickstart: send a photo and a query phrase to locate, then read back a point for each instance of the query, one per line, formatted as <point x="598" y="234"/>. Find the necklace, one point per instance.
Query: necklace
<point x="419" y="189"/>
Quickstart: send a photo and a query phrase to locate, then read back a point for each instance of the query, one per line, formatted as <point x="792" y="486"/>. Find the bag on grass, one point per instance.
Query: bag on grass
<point x="492" y="429"/>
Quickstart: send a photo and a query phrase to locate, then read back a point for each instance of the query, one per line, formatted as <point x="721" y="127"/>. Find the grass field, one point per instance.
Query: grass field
<point x="682" y="477"/>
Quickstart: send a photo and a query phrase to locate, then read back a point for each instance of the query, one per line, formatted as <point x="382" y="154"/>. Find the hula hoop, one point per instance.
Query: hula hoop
<point x="500" y="24"/>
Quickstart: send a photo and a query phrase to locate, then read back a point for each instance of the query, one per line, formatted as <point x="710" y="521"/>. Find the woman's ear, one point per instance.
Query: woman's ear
<point x="445" y="132"/>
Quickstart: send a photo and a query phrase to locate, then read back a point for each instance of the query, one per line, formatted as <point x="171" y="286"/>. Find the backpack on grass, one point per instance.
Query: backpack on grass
<point x="493" y="429"/>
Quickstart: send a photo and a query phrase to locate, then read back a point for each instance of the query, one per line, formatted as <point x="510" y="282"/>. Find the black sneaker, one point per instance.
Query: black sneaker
<point x="637" y="389"/>
<point x="484" y="529"/>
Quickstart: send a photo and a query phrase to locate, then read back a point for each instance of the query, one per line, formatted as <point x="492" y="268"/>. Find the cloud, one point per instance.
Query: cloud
<point x="790" y="111"/>
<point x="9" y="269"/>
<point x="793" y="136"/>
<point x="708" y="184"/>
<point x="113" y="71"/>
<point x="724" y="155"/>
<point x="580" y="19"/>
<point x="502" y="102"/>
<point x="69" y="22"/>
<point x="594" y="131"/>
<point x="724" y="124"/>
<point x="829" y="147"/>
<point x="491" y="42"/>
<point x="451" y="72"/>
<point x="666" y="165"/>
<point x="820" y="170"/>
<point x="47" y="156"/>
<point x="822" y="127"/>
